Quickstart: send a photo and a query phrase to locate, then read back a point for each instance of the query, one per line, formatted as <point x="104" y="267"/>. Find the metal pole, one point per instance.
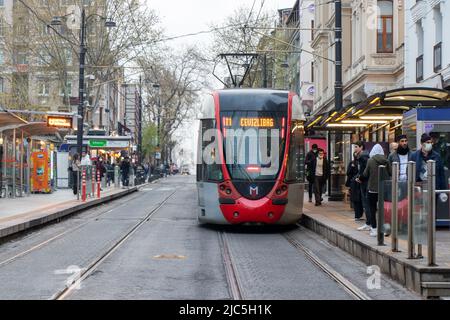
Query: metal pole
<point x="81" y="84"/>
<point x="13" y="194"/>
<point x="431" y="181"/>
<point x="380" y="211"/>
<point x="394" y="212"/>
<point x="338" y="53"/>
<point x="411" y="182"/>
<point x="21" y="166"/>
<point x="139" y="147"/>
<point x="265" y="71"/>
<point x="28" y="171"/>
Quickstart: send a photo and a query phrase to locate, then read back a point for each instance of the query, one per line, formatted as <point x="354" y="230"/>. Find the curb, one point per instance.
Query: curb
<point x="44" y="219"/>
<point x="426" y="281"/>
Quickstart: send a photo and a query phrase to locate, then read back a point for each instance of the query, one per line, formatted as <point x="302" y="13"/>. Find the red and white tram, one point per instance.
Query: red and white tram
<point x="250" y="167"/>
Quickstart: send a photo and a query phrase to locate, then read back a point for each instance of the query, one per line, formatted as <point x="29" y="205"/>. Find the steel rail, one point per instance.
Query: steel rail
<point x="59" y="235"/>
<point x="234" y="285"/>
<point x="62" y="294"/>
<point x="333" y="274"/>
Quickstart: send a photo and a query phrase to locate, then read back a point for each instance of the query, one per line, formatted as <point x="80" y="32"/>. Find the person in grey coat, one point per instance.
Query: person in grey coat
<point x="377" y="158"/>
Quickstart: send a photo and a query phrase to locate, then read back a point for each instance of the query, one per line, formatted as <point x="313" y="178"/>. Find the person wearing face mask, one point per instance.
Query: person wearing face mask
<point x="321" y="172"/>
<point x="421" y="156"/>
<point x="310" y="162"/>
<point x="402" y="155"/>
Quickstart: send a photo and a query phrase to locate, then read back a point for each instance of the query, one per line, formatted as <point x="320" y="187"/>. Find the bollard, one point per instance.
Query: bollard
<point x="380" y="211"/>
<point x="394" y="212"/>
<point x="431" y="181"/>
<point x="116" y="176"/>
<point x="411" y="182"/>
<point x="98" y="184"/>
<point x="83" y="186"/>
<point x="93" y="181"/>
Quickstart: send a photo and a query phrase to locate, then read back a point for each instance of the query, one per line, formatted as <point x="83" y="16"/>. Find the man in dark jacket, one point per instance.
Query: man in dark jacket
<point x="362" y="157"/>
<point x="125" y="169"/>
<point x="421" y="156"/>
<point x="310" y="162"/>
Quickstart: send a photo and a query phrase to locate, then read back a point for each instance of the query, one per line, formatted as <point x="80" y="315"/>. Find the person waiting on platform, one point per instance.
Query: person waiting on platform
<point x="321" y="173"/>
<point x="310" y="162"/>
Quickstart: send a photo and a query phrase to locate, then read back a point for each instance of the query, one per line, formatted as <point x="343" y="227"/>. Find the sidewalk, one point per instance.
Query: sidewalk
<point x="22" y="213"/>
<point x="335" y="221"/>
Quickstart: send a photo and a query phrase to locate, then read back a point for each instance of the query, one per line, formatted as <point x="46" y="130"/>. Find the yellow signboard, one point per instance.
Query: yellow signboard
<point x="59" y="122"/>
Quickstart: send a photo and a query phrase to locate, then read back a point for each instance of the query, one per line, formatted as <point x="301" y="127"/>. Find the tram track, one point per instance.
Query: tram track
<point x="234" y="286"/>
<point x="41" y="244"/>
<point x="354" y="291"/>
<point x="86" y="272"/>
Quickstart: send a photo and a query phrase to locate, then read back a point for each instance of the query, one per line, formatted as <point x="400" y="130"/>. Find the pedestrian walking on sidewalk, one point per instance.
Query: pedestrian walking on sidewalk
<point x="125" y="169"/>
<point x="363" y="156"/>
<point x="355" y="187"/>
<point x="321" y="173"/>
<point x="76" y="166"/>
<point x="377" y="158"/>
<point x="310" y="162"/>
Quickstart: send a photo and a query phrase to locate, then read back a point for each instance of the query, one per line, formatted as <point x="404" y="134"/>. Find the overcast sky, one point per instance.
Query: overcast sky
<point x="188" y="16"/>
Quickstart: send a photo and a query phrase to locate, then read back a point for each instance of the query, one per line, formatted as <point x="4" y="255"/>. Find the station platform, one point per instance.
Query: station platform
<point x="335" y="221"/>
<point x="22" y="213"/>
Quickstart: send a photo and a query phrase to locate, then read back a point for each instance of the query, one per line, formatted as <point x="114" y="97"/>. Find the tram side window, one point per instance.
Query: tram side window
<point x="295" y="171"/>
<point x="210" y="171"/>
<point x="199" y="166"/>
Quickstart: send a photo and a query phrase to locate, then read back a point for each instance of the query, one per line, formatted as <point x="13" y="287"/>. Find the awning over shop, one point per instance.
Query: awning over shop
<point x="380" y="108"/>
<point x="33" y="129"/>
<point x="9" y="119"/>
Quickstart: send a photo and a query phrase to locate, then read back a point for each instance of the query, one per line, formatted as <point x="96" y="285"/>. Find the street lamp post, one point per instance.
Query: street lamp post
<point x="56" y="21"/>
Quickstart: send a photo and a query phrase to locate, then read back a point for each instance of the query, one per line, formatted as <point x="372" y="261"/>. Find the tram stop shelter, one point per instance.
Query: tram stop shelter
<point x="377" y="119"/>
<point x="19" y="139"/>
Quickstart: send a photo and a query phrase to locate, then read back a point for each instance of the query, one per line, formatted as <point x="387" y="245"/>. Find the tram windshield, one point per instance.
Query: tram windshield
<point x="253" y="143"/>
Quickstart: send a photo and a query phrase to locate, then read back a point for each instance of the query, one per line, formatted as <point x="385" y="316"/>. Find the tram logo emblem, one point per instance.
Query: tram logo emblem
<point x="253" y="191"/>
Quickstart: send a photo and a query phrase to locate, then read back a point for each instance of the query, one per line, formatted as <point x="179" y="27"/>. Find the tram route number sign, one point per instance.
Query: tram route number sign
<point x="251" y="122"/>
<point x="59" y="122"/>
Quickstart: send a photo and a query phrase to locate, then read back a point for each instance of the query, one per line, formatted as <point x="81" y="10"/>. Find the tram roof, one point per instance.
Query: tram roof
<point x="248" y="91"/>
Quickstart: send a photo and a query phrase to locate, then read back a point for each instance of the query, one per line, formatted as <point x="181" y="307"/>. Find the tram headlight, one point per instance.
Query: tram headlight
<point x="284" y="188"/>
<point x="278" y="192"/>
<point x="228" y="191"/>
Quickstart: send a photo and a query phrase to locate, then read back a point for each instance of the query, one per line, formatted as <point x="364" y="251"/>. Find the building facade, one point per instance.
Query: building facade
<point x="427" y="50"/>
<point x="372" y="50"/>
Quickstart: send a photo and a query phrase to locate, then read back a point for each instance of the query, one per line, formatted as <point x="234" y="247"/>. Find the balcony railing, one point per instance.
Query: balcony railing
<point x="437" y="57"/>
<point x="419" y="68"/>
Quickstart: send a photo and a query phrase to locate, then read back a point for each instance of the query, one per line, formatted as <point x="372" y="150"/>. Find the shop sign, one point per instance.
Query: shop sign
<point x="97" y="143"/>
<point x="59" y="122"/>
<point x="158" y="155"/>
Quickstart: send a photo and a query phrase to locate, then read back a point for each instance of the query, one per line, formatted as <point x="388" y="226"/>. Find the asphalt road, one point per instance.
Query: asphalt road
<point x="169" y="256"/>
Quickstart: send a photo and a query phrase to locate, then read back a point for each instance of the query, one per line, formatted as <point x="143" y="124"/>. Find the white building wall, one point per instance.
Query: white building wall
<point x="307" y="9"/>
<point x="422" y="12"/>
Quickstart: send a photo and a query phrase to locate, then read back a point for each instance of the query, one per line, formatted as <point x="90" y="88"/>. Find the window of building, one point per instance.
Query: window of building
<point x="2" y="85"/>
<point x="67" y="89"/>
<point x="21" y="58"/>
<point x="43" y="88"/>
<point x="69" y="57"/>
<point x="419" y="59"/>
<point x="437" y="49"/>
<point x="2" y="3"/>
<point x="312" y="30"/>
<point x="2" y="58"/>
<point x="312" y="72"/>
<point x="385" y="27"/>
